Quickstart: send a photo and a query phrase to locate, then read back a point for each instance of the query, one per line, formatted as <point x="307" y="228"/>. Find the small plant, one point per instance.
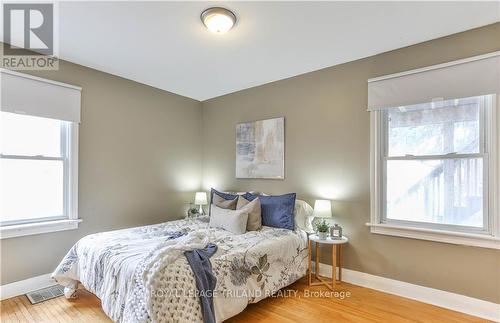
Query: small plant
<point x="322" y="226"/>
<point x="192" y="212"/>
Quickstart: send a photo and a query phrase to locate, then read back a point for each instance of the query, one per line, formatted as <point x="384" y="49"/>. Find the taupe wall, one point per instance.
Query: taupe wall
<point x="139" y="162"/>
<point x="327" y="156"/>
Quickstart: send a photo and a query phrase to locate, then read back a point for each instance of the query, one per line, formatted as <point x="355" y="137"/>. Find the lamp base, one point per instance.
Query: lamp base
<point x="200" y="211"/>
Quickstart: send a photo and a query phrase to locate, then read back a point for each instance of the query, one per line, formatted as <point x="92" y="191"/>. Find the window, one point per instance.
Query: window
<point x="38" y="156"/>
<point x="36" y="167"/>
<point x="34" y="164"/>
<point x="434" y="167"/>
<point x="434" y="156"/>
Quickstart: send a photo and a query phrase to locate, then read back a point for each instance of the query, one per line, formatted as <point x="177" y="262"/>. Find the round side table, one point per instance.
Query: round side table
<point x="336" y="253"/>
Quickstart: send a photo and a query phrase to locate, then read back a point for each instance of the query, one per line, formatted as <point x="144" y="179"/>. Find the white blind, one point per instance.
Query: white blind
<point x="475" y="76"/>
<point x="26" y="94"/>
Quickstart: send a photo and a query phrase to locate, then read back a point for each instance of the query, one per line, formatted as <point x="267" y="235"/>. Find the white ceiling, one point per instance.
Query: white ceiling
<point x="165" y="45"/>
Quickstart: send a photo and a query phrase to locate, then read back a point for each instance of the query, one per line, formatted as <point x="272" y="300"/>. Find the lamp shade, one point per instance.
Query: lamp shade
<point x="200" y="198"/>
<point x="322" y="209"/>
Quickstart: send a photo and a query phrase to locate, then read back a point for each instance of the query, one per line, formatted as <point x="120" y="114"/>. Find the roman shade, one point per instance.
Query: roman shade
<point x="26" y="94"/>
<point x="479" y="75"/>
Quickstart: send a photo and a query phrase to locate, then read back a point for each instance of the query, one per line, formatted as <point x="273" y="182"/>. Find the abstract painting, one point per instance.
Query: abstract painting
<point x="260" y="149"/>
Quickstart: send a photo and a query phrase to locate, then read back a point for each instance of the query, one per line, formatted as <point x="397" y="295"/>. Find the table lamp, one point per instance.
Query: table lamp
<point x="200" y="199"/>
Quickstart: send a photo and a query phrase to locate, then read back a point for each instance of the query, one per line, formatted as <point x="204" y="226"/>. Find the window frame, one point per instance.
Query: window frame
<point x="488" y="236"/>
<point x="69" y="219"/>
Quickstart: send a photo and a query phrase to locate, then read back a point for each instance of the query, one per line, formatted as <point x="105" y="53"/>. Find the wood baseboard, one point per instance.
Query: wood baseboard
<point x="452" y="301"/>
<point x="25" y="286"/>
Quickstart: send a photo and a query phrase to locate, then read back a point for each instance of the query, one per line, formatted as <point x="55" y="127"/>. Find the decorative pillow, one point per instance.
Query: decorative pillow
<point x="301" y="213"/>
<point x="225" y="196"/>
<point x="234" y="193"/>
<point x="277" y="210"/>
<point x="234" y="221"/>
<point x="223" y="203"/>
<point x="243" y="193"/>
<point x="254" y="221"/>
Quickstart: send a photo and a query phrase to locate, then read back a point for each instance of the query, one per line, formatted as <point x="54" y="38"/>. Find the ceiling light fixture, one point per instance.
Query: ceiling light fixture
<point x="218" y="20"/>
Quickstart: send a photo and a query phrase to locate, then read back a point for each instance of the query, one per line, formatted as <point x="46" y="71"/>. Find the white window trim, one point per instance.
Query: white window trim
<point x="491" y="240"/>
<point x="71" y="203"/>
<point x="19" y="230"/>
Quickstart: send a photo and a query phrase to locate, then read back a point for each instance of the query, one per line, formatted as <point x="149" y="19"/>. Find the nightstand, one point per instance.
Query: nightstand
<point x="336" y="253"/>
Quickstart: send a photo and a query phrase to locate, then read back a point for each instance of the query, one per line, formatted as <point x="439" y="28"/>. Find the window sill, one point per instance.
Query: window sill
<point x="20" y="230"/>
<point x="467" y="239"/>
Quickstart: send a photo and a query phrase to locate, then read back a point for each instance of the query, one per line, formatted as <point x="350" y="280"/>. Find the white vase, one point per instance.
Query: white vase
<point x="322" y="235"/>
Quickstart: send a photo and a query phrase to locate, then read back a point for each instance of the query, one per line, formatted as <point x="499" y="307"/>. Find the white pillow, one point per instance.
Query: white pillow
<point x="234" y="221"/>
<point x="301" y="213"/>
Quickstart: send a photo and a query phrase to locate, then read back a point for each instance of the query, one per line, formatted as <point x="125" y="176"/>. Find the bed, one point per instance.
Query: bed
<point x="141" y="275"/>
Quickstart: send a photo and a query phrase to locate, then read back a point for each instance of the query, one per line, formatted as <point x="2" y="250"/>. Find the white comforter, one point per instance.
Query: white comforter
<point x="141" y="275"/>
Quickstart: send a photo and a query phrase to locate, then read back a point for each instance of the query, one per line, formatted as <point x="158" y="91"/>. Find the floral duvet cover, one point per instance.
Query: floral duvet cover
<point x="141" y="275"/>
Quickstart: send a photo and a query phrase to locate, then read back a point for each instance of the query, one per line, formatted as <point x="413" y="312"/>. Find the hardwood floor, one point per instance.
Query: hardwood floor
<point x="362" y="305"/>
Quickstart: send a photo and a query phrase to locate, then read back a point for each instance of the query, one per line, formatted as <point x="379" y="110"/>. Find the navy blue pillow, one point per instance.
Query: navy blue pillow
<point x="277" y="210"/>
<point x="225" y="196"/>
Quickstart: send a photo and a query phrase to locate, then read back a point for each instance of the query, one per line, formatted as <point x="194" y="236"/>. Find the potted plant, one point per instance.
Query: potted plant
<point x="192" y="212"/>
<point x="322" y="228"/>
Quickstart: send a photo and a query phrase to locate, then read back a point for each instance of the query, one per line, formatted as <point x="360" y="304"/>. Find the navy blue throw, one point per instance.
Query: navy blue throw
<point x="199" y="260"/>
